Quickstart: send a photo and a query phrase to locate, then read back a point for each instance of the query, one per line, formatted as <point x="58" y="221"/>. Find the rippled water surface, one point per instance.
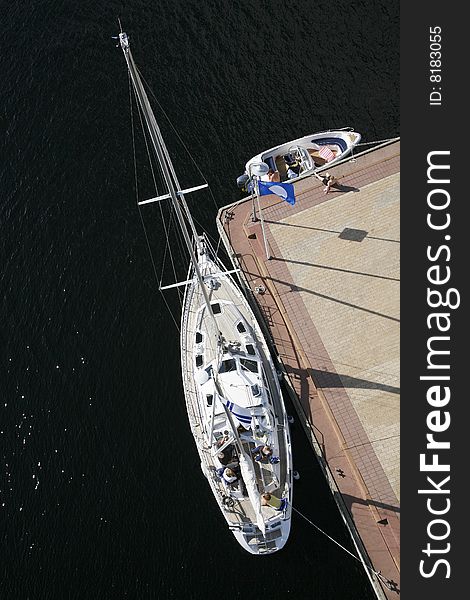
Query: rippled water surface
<point x="101" y="491"/>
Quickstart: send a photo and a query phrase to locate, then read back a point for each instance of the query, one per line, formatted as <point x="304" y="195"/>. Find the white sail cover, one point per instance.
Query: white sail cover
<point x="242" y="415"/>
<point x="249" y="477"/>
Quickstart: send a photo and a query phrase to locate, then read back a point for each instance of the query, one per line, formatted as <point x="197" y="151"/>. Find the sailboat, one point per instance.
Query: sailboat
<point x="231" y="387"/>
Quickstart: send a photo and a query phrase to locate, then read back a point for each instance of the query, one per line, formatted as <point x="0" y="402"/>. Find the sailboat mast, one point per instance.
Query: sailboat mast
<point x="165" y="163"/>
<point x="180" y="194"/>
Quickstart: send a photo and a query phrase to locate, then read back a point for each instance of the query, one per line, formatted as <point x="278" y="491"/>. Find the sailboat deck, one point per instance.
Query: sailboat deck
<point x="197" y="319"/>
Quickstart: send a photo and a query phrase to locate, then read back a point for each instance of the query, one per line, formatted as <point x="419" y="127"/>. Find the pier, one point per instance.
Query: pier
<point x="326" y="287"/>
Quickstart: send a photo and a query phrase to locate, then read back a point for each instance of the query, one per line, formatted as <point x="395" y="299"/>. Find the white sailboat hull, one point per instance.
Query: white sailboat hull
<point x="235" y="501"/>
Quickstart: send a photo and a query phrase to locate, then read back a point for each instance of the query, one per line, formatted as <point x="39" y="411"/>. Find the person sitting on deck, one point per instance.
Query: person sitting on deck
<point x="231" y="464"/>
<point x="276" y="503"/>
<point x="229" y="476"/>
<point x="327" y="180"/>
<point x="264" y="454"/>
<point x="226" y="456"/>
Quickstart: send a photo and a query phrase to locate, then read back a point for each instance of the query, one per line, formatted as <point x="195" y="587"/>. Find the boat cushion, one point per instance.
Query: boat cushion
<point x="332" y="140"/>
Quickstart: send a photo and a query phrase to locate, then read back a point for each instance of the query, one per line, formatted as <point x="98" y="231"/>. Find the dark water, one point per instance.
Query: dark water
<point x="101" y="491"/>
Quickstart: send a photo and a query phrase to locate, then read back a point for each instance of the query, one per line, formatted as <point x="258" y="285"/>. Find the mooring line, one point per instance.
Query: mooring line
<point x="384" y="580"/>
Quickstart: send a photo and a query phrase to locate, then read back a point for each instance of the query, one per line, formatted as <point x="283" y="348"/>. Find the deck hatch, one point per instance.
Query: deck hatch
<point x="216" y="308"/>
<point x="249" y="365"/>
<point x="228" y="365"/>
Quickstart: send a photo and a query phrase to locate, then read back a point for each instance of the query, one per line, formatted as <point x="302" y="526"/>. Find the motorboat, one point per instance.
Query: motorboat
<point x="303" y="156"/>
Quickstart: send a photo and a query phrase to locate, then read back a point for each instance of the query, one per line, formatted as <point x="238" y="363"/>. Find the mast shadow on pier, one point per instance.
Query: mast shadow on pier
<point x="297" y="288"/>
<point x="328" y="379"/>
<point x="350" y="500"/>
<point x="322" y="229"/>
<point x="327" y="267"/>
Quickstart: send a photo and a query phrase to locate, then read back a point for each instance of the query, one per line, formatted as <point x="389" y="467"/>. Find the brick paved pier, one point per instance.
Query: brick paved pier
<point x="329" y="295"/>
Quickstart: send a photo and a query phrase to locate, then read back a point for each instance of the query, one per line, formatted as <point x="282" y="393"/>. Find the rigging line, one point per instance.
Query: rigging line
<point x="179" y="138"/>
<point x="179" y="239"/>
<point x="140" y="210"/>
<point x="204" y="229"/>
<point x="170" y="222"/>
<point x="180" y="244"/>
<point x="189" y="154"/>
<point x="387" y="582"/>
<point x="167" y="246"/>
<point x="218" y="245"/>
<point x="216" y="251"/>
<point x="378" y="142"/>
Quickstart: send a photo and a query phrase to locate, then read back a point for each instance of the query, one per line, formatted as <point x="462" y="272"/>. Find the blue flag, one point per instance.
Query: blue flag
<point x="283" y="190"/>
